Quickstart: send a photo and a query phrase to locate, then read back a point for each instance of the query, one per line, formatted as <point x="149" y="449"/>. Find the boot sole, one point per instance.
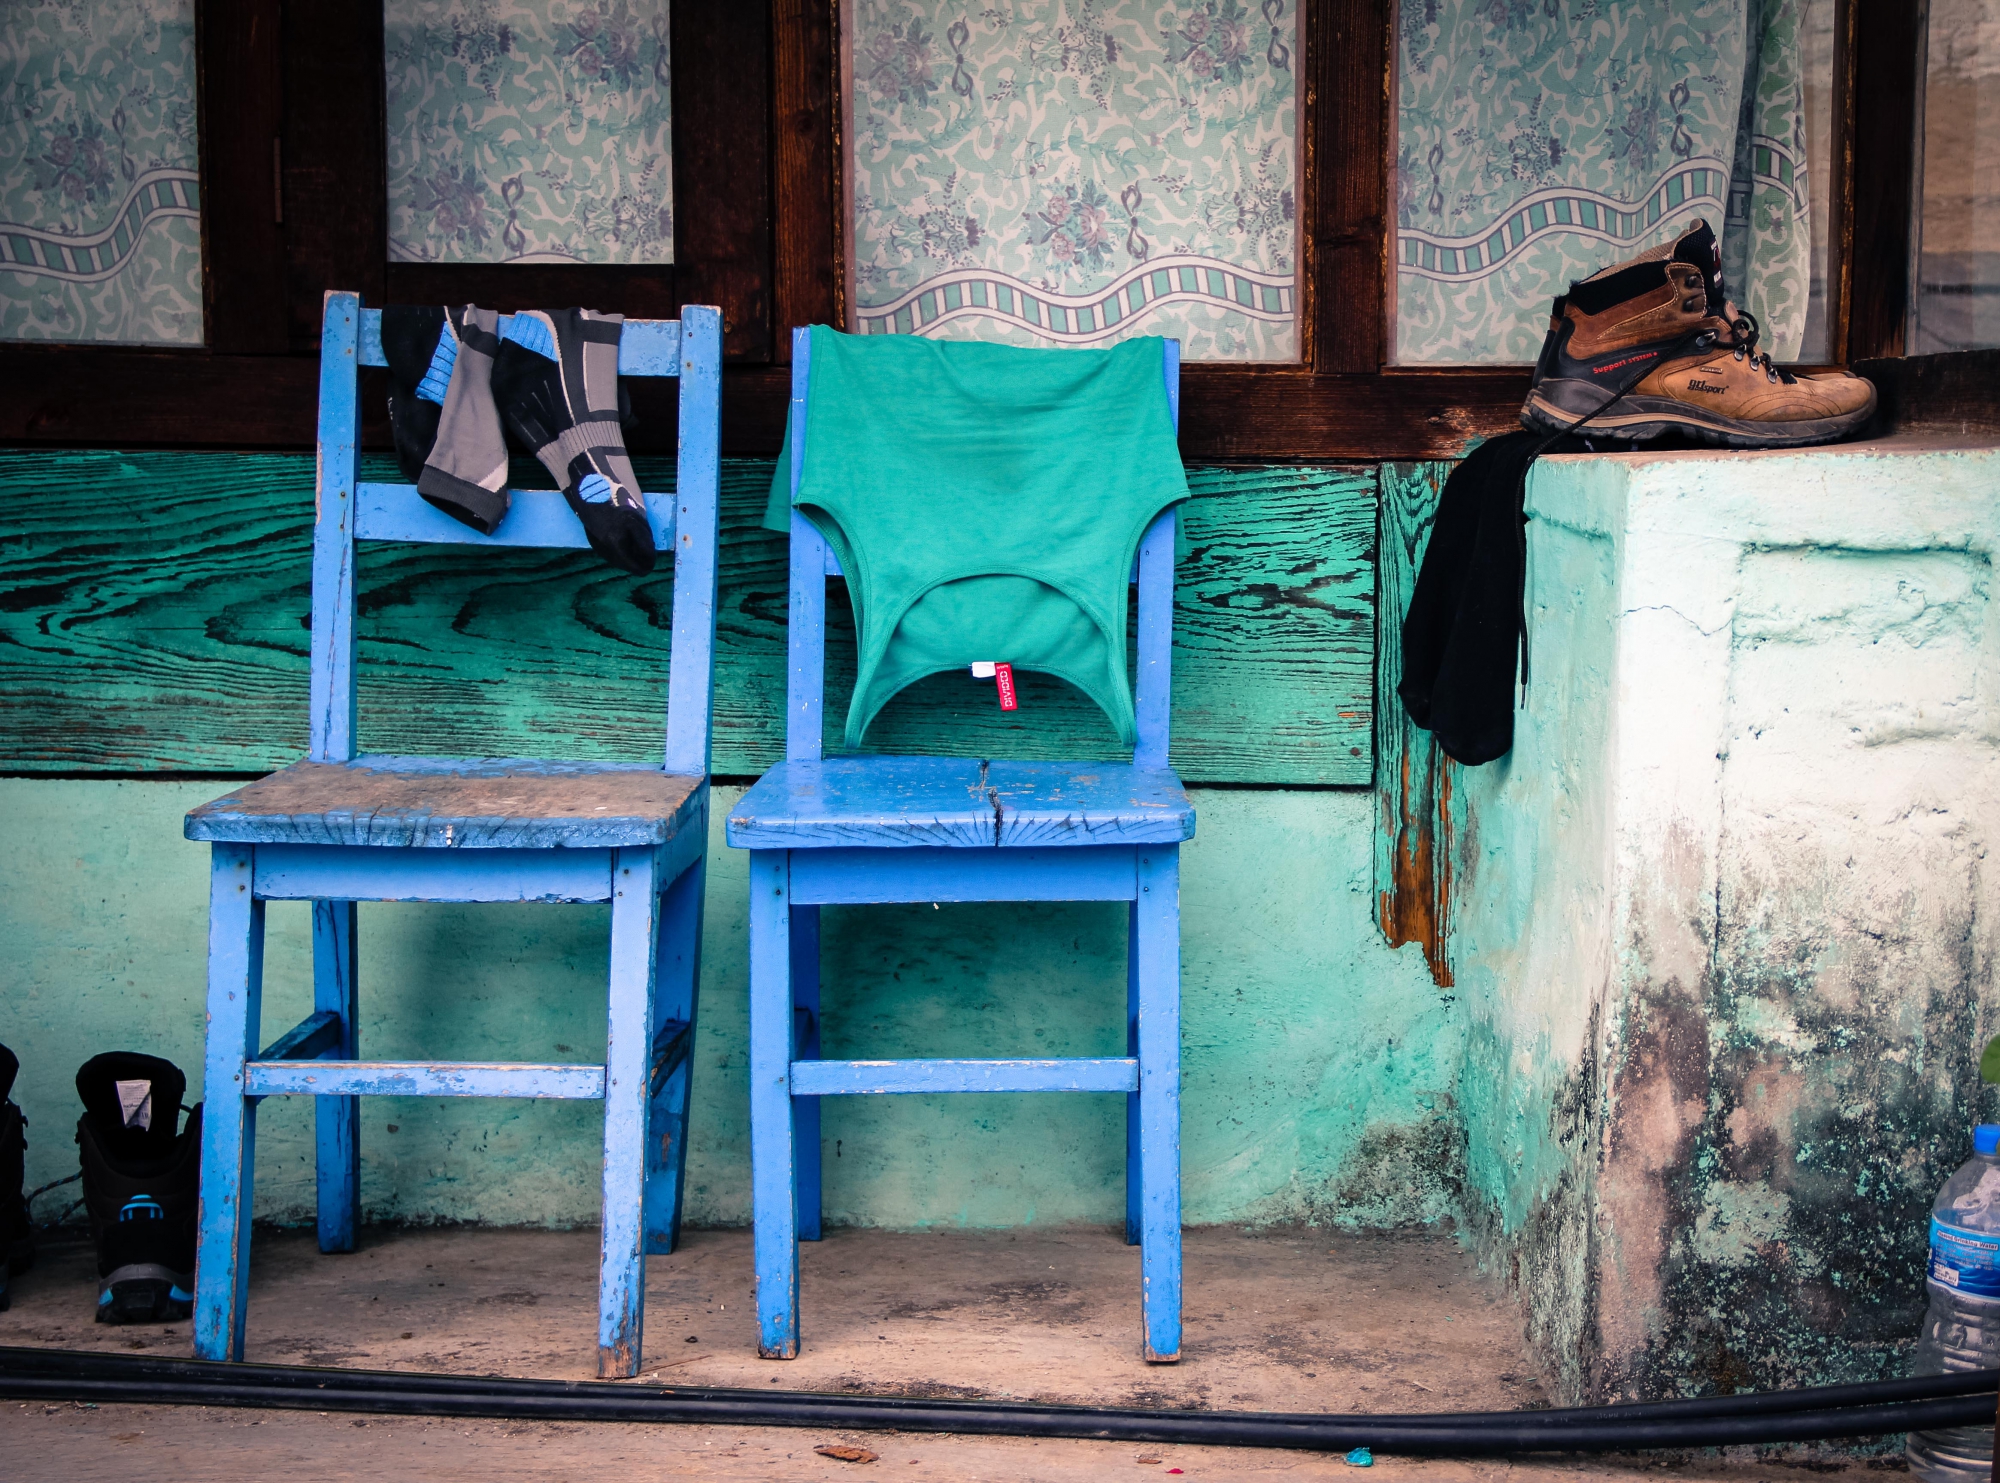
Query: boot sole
<point x="1642" y="419"/>
<point x="145" y="1294"/>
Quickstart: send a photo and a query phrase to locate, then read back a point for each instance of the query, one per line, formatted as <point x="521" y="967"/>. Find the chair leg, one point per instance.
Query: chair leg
<point x="772" y="1142"/>
<point x="337" y="1119"/>
<point x="1134" y="1173"/>
<point x="621" y="1275"/>
<point x="676" y="993"/>
<point x="1157" y="916"/>
<point x="805" y="1024"/>
<point x="229" y="1118"/>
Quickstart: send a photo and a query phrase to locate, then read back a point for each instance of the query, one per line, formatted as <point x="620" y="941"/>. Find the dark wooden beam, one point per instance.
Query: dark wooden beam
<point x="241" y="98"/>
<point x="638" y="291"/>
<point x="1887" y="41"/>
<point x="722" y="168"/>
<point x="120" y="398"/>
<point x="1347" y="126"/>
<point x="808" y="277"/>
<point x="1951" y="396"/>
<point x="105" y="397"/>
<point x="336" y="191"/>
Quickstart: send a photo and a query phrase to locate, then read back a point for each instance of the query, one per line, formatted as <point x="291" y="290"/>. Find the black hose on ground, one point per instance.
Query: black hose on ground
<point x="1823" y="1414"/>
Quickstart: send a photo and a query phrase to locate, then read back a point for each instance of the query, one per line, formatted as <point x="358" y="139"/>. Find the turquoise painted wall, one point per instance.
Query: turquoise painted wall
<point x="1318" y="1062"/>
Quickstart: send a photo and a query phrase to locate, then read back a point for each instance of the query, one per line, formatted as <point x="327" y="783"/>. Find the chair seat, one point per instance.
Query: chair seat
<point x="448" y="803"/>
<point x="889" y="802"/>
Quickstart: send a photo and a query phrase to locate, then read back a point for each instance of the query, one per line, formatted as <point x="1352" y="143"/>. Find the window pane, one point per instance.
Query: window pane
<point x="1074" y="172"/>
<point x="100" y="209"/>
<point x="1538" y="143"/>
<point x="529" y="131"/>
<point x="1956" y="305"/>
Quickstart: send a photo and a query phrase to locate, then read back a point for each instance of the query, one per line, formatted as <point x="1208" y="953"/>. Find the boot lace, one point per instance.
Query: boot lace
<point x="1745" y="328"/>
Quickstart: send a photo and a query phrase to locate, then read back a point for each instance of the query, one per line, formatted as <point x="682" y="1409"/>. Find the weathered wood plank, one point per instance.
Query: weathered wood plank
<point x="409" y="803"/>
<point x="860" y="876"/>
<point x="339" y="872"/>
<point x="1413" y="777"/>
<point x="422" y="1079"/>
<point x="875" y="1078"/>
<point x="306" y="1040"/>
<point x="153" y="619"/>
<point x="957" y="803"/>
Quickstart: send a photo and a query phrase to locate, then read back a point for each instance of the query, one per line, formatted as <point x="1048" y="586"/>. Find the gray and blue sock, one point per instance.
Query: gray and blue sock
<point x="556" y="382"/>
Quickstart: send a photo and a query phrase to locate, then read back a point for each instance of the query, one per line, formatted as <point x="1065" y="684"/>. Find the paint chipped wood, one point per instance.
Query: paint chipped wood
<point x="904" y="802"/>
<point x="393" y="802"/>
<point x="1413" y="777"/>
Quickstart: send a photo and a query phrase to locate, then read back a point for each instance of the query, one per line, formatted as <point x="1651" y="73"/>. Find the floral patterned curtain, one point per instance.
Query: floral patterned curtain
<point x="100" y="203"/>
<point x="1073" y="172"/>
<point x="525" y="131"/>
<point x="1541" y="140"/>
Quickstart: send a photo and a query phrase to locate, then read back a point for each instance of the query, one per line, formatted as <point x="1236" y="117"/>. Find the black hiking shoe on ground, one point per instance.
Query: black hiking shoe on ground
<point x="1652" y="346"/>
<point x="17" y="1236"/>
<point x="141" y="1185"/>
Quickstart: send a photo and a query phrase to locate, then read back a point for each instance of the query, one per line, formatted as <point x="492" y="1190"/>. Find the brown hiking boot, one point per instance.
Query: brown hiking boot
<point x="1652" y="346"/>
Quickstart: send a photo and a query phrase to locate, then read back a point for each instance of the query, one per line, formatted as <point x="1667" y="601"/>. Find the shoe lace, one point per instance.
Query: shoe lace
<point x="1743" y="325"/>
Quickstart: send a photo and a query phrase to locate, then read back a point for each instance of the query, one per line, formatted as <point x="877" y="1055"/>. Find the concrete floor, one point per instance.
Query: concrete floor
<point x="1275" y="1321"/>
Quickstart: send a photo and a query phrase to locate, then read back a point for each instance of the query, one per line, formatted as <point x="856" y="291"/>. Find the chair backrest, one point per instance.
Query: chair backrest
<point x="813" y="562"/>
<point x="685" y="522"/>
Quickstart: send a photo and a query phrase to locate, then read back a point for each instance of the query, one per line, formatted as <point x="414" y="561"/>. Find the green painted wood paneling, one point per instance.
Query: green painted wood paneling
<point x="153" y="615"/>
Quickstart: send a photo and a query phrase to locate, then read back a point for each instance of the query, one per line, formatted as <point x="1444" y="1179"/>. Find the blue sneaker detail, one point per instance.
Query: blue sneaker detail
<point x="532" y="333"/>
<point x="142" y="1207"/>
<point x="178" y="1296"/>
<point x="104" y="1298"/>
<point x="438" y="378"/>
<point x="596" y="490"/>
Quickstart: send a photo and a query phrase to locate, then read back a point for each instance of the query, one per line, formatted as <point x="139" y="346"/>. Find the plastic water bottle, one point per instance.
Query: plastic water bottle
<point x="1962" y="1329"/>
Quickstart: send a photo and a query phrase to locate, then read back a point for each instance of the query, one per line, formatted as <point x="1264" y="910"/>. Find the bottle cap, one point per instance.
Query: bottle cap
<point x="1986" y="1138"/>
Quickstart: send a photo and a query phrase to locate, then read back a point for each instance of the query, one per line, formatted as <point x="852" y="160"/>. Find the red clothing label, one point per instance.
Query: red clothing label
<point x="1004" y="674"/>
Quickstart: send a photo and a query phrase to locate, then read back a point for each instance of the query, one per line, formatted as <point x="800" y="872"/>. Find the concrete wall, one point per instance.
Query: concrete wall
<point x="1726" y="921"/>
<point x="1317" y="1062"/>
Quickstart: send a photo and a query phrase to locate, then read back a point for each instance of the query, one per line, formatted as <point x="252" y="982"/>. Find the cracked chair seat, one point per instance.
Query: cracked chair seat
<point x="959" y="803"/>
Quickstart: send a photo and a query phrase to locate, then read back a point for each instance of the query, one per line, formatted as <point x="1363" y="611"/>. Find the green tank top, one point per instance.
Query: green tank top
<point x="985" y="503"/>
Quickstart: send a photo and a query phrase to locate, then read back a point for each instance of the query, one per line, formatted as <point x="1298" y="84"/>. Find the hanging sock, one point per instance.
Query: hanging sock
<point x="556" y="383"/>
<point x="441" y="410"/>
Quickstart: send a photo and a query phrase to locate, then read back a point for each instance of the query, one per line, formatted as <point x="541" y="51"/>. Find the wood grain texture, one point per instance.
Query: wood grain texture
<point x="1887" y="64"/>
<point x="958" y="803"/>
<point x="389" y="802"/>
<point x="423" y="1079"/>
<point x="722" y="168"/>
<point x="1953" y="395"/>
<point x="1413" y="777"/>
<point x="1346" y="128"/>
<point x="808" y="273"/>
<point x="339" y="872"/>
<point x="336" y="231"/>
<point x="153" y="619"/>
<point x="873" y="1078"/>
<point x="241" y="99"/>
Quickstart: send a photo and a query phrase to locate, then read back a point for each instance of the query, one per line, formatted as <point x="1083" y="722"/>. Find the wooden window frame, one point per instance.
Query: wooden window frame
<point x="295" y="203"/>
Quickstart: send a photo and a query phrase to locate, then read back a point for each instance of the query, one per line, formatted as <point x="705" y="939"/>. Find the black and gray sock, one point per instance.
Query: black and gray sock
<point x="556" y="382"/>
<point x="441" y="411"/>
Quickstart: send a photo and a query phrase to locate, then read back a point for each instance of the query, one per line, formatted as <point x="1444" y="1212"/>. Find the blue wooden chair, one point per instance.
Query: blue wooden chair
<point x="823" y="831"/>
<point x="339" y="828"/>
